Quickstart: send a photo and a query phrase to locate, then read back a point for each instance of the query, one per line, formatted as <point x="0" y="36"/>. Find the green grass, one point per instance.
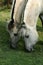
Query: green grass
<point x="18" y="56"/>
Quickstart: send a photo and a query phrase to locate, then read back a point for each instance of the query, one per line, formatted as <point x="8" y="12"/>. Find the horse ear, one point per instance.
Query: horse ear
<point x="11" y="24"/>
<point x="12" y="21"/>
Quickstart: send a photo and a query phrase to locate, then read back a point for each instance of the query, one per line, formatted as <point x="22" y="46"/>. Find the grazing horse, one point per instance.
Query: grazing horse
<point x="32" y="10"/>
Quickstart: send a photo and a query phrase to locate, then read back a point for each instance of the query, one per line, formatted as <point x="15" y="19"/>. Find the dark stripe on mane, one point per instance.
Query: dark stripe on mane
<point x="41" y="18"/>
<point x="13" y="10"/>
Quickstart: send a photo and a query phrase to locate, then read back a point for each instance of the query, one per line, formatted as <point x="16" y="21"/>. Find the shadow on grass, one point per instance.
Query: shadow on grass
<point x="39" y="28"/>
<point x="4" y="36"/>
<point x="40" y="42"/>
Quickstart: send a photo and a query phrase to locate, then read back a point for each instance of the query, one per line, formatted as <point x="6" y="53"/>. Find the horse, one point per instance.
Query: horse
<point x="32" y="10"/>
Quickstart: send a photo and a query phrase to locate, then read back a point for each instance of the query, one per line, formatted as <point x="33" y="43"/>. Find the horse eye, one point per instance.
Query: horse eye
<point x="27" y="36"/>
<point x="15" y="34"/>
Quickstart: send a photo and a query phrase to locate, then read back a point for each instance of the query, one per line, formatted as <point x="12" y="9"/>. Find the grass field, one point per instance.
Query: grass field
<point x="18" y="56"/>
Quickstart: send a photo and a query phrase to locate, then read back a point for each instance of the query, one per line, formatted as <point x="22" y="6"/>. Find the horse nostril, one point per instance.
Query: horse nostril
<point x="15" y="34"/>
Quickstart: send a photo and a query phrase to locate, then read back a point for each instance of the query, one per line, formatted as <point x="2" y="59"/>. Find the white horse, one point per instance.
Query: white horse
<point x="32" y="9"/>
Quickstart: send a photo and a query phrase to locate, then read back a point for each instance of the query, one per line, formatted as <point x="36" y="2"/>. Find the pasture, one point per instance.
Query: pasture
<point x="18" y="56"/>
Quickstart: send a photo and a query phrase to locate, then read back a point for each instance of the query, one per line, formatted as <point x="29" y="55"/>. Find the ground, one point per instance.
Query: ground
<point x="18" y="56"/>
